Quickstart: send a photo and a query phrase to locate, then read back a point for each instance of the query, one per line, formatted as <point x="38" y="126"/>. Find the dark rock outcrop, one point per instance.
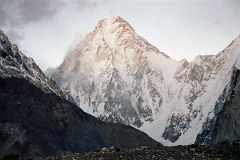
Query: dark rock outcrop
<point x="225" y="126"/>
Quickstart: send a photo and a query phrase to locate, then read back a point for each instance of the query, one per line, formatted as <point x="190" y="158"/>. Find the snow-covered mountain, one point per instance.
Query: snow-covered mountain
<point x="36" y="119"/>
<point x="116" y="75"/>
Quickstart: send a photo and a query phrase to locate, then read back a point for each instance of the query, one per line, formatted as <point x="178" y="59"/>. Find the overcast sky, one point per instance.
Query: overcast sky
<point x="45" y="29"/>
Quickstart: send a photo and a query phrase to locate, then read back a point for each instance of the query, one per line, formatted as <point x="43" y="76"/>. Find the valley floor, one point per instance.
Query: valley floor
<point x="193" y="152"/>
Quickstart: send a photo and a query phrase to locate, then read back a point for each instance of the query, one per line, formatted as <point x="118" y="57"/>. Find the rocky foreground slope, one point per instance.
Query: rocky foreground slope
<point x="198" y="152"/>
<point x="116" y="75"/>
<point x="38" y="119"/>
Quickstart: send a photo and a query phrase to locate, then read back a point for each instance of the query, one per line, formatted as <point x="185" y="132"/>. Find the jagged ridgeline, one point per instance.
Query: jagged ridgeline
<point x="130" y="81"/>
<point x="38" y="119"/>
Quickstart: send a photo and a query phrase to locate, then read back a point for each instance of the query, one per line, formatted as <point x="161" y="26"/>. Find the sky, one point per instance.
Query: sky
<point x="47" y="29"/>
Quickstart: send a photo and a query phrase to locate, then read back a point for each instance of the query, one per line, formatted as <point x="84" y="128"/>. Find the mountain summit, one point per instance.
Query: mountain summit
<point x="111" y="67"/>
<point x="116" y="75"/>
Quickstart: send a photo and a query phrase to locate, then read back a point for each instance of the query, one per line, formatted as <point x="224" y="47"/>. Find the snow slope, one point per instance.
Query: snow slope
<point x="116" y="75"/>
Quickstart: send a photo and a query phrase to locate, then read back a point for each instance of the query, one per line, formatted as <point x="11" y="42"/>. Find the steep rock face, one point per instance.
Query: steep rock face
<point x="37" y="119"/>
<point x="125" y="79"/>
<point x="225" y="126"/>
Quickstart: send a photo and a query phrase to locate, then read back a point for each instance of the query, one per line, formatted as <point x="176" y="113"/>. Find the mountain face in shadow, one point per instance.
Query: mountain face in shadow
<point x="225" y="126"/>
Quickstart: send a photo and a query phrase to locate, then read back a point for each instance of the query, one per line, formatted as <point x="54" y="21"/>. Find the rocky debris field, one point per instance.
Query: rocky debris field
<point x="193" y="152"/>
